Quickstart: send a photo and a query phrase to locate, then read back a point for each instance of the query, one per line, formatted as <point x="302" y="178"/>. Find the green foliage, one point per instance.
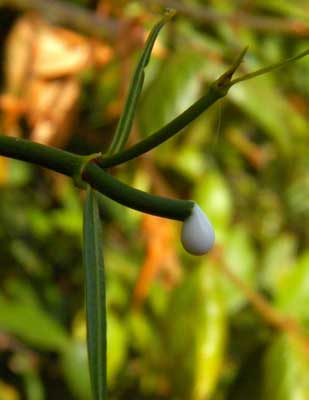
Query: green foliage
<point x="75" y="369"/>
<point x="293" y="292"/>
<point x="212" y="193"/>
<point x="285" y="371"/>
<point x="22" y="315"/>
<point x="196" y="335"/>
<point x="245" y="162"/>
<point x="74" y="359"/>
<point x="283" y="124"/>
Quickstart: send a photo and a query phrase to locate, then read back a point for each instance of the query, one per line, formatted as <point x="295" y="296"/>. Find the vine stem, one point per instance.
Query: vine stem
<point x="265" y="70"/>
<point x="213" y="94"/>
<point x="272" y="316"/>
<point x="74" y="166"/>
<point x="216" y="90"/>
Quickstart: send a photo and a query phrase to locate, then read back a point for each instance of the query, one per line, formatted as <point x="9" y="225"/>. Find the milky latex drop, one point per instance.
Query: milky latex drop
<point x="197" y="235"/>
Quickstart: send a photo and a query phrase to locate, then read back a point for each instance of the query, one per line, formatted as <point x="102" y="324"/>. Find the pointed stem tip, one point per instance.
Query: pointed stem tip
<point x="169" y="13"/>
<point x="270" y="68"/>
<point x="225" y="79"/>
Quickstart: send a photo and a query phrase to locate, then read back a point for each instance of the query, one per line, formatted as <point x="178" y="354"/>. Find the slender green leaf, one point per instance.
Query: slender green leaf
<point x="126" y="118"/>
<point x="95" y="296"/>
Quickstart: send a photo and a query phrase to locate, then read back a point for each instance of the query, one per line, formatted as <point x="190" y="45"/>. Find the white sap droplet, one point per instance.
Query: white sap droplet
<point x="197" y="235"/>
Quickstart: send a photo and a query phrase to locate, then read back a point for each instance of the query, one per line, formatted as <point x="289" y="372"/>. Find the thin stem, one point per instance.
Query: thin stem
<point x="213" y="94"/>
<point x="225" y="79"/>
<point x="71" y="165"/>
<point x="216" y="91"/>
<point x="134" y="198"/>
<point x="265" y="70"/>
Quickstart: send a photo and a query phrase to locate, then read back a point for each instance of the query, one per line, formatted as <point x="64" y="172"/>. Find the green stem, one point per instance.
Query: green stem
<point x="265" y="70"/>
<point x="134" y="198"/>
<point x="213" y="94"/>
<point x="216" y="91"/>
<point x="70" y="164"/>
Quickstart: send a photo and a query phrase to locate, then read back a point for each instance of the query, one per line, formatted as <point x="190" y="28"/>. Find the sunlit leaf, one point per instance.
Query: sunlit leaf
<point x="279" y="258"/>
<point x="74" y="359"/>
<point x="239" y="257"/>
<point x="8" y="392"/>
<point x="117" y="347"/>
<point x="293" y="291"/>
<point x="285" y="371"/>
<point x="75" y="369"/>
<point x="213" y="195"/>
<point x="196" y="335"/>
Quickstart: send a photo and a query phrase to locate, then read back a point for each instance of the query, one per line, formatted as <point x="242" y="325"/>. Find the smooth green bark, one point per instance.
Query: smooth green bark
<point x="70" y="164"/>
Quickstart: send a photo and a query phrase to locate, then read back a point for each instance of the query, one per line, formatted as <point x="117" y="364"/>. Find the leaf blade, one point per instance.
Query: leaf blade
<point x="126" y="119"/>
<point x="95" y="295"/>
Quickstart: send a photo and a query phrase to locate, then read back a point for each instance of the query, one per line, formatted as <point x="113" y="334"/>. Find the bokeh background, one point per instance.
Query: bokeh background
<point x="231" y="325"/>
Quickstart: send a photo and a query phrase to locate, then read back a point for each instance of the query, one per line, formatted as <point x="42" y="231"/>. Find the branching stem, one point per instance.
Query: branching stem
<point x="71" y="164"/>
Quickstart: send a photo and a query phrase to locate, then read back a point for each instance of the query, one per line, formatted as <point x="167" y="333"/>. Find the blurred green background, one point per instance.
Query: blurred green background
<point x="179" y="327"/>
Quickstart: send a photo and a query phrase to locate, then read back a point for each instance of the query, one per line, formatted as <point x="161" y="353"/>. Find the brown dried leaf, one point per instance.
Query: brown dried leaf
<point x="48" y="59"/>
<point x="12" y="108"/>
<point x="53" y="106"/>
<point x="12" y="104"/>
<point x="3" y="170"/>
<point x="19" y="53"/>
<point x="60" y="52"/>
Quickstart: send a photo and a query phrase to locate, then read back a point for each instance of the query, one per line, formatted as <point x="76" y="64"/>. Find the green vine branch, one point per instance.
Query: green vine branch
<point x="217" y="90"/>
<point x="213" y="94"/>
<point x="71" y="165"/>
<point x="90" y="168"/>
